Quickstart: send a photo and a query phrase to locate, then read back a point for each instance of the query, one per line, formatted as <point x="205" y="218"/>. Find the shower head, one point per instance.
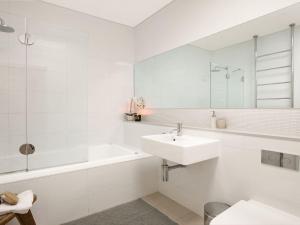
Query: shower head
<point x="236" y="70"/>
<point x="5" y="28"/>
<point x="218" y="68"/>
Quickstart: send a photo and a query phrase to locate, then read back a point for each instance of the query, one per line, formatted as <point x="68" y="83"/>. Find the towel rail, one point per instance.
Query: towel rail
<point x="291" y="66"/>
<point x="260" y="99"/>
<point x="273" y="53"/>
<point x="273" y="68"/>
<point x="275" y="83"/>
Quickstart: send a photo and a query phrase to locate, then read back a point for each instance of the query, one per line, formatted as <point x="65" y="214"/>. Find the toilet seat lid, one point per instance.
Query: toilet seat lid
<point x="254" y="213"/>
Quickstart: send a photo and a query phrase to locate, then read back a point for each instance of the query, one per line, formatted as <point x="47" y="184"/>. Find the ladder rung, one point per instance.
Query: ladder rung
<point x="287" y="82"/>
<point x="272" y="98"/>
<point x="273" y="53"/>
<point x="273" y="68"/>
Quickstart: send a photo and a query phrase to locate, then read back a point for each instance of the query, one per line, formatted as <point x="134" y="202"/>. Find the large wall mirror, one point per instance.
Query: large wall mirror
<point x="253" y="65"/>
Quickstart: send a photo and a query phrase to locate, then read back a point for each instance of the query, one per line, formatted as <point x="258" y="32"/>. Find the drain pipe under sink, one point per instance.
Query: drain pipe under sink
<point x="166" y="168"/>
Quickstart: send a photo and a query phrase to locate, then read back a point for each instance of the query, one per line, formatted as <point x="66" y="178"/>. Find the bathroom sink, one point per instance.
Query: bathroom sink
<point x="183" y="149"/>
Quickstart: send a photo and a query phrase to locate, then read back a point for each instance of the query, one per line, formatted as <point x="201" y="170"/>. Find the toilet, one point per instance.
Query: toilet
<point x="254" y="213"/>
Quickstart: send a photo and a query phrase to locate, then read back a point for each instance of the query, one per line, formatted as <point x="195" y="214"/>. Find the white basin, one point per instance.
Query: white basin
<point x="183" y="149"/>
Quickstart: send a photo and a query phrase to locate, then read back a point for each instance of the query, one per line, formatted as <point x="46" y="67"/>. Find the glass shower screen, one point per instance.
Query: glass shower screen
<point x="12" y="96"/>
<point x="44" y="89"/>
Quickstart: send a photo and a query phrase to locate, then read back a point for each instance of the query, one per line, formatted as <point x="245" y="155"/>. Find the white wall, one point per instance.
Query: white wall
<point x="107" y="78"/>
<point x="237" y="174"/>
<point x="184" y="21"/>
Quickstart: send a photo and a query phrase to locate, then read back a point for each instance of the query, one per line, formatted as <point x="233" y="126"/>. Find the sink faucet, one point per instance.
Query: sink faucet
<point x="178" y="130"/>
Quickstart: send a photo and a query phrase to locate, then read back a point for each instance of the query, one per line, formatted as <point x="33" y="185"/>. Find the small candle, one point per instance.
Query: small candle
<point x="221" y="123"/>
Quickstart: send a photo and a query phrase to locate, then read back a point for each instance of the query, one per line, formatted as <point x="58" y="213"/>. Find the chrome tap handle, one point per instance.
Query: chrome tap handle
<point x="179" y="129"/>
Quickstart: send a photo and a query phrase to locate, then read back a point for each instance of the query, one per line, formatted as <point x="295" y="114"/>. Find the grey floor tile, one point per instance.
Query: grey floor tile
<point x="134" y="213"/>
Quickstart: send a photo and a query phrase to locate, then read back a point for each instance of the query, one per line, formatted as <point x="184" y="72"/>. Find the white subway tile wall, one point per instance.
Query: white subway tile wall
<point x="285" y="122"/>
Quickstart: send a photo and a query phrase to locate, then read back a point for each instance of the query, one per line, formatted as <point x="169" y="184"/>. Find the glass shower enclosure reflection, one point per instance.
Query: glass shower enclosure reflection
<point x="43" y="94"/>
<point x="226" y="86"/>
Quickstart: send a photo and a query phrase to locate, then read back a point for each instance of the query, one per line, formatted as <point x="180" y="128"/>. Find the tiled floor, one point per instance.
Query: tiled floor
<point x="132" y="213"/>
<point x="173" y="210"/>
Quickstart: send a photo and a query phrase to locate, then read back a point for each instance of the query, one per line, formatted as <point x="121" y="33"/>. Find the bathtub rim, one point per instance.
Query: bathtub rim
<point x="39" y="173"/>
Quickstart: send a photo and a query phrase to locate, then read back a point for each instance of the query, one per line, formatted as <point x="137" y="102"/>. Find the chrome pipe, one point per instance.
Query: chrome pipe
<point x="165" y="172"/>
<point x="165" y="168"/>
<point x="292" y="26"/>
<point x="255" y="77"/>
<point x="175" y="167"/>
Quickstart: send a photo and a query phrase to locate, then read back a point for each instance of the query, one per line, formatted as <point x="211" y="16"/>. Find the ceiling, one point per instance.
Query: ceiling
<point x="261" y="26"/>
<point x="127" y="12"/>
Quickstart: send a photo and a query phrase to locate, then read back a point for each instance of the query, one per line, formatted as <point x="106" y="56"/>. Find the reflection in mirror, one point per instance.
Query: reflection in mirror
<point x="227" y="86"/>
<point x="176" y="79"/>
<point x="241" y="71"/>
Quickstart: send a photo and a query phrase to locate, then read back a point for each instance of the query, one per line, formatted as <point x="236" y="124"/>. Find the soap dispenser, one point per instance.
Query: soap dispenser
<point x="213" y="120"/>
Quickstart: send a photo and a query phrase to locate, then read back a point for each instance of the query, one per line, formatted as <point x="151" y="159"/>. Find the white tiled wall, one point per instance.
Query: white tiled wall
<point x="285" y="122"/>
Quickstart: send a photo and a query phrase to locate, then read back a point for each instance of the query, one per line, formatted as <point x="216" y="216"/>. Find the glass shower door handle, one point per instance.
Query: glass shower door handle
<point x="27" y="149"/>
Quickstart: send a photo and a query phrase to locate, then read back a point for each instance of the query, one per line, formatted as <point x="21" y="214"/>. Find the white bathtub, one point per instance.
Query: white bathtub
<point x="97" y="156"/>
<point x="112" y="176"/>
